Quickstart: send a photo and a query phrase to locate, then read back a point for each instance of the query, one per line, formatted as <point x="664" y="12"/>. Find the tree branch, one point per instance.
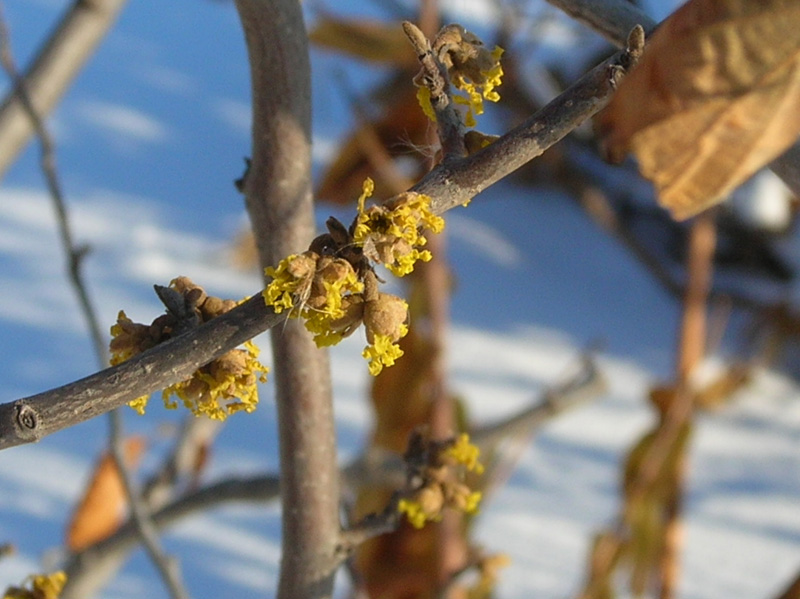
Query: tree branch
<point x="32" y="418"/>
<point x="613" y="19"/>
<point x="279" y="200"/>
<point x="454" y="183"/>
<point x="90" y="569"/>
<point x="56" y="65"/>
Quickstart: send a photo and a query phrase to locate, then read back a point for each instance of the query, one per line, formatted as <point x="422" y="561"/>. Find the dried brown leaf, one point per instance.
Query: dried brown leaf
<point x="102" y="509"/>
<point x="368" y="40"/>
<point x="715" y="97"/>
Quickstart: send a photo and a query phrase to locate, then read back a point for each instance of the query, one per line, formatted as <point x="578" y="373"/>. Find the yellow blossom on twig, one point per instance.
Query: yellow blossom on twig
<point x="464" y="452"/>
<point x="424" y="99"/>
<point x="382" y="352"/>
<point x="439" y="468"/>
<point x="390" y="233"/>
<point x="222" y="387"/>
<point x="317" y="289"/>
<point x="44" y="586"/>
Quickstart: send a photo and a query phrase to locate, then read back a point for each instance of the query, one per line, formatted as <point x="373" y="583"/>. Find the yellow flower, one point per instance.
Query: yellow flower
<point x="45" y="586"/>
<point x="390" y="233"/>
<point x="464" y="452"/>
<point x="473" y="500"/>
<point x="424" y="506"/>
<point x="479" y="89"/>
<point x="280" y="292"/>
<point x="223" y="387"/>
<point x="424" y="99"/>
<point x="413" y="511"/>
<point x="128" y="338"/>
<point x="139" y="404"/>
<point x="382" y="352"/>
<point x="317" y="286"/>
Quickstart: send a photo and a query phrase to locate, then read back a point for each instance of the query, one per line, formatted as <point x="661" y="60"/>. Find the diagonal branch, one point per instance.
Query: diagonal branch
<point x="167" y="568"/>
<point x="32" y="418"/>
<point x="51" y="72"/>
<point x="90" y="569"/>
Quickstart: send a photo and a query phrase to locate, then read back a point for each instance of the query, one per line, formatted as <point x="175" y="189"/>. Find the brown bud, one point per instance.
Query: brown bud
<point x="303" y="265"/>
<point x="353" y="306"/>
<point x="431" y="499"/>
<point x="212" y="307"/>
<point x="333" y="269"/>
<point x="385" y="316"/>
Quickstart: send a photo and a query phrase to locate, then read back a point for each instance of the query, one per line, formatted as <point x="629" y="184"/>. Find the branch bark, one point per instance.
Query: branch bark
<point x="279" y="201"/>
<point x="612" y="19"/>
<point x="53" y="69"/>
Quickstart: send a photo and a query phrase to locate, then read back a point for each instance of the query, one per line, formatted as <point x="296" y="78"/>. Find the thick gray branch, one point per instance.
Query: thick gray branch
<point x="279" y="201"/>
<point x="31" y="418"/>
<point x="51" y="72"/>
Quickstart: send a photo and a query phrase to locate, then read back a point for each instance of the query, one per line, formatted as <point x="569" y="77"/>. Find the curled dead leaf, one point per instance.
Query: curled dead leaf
<point x="102" y="509"/>
<point x="715" y="97"/>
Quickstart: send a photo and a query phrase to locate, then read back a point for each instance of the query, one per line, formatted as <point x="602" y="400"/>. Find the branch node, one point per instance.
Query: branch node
<point x="27" y="421"/>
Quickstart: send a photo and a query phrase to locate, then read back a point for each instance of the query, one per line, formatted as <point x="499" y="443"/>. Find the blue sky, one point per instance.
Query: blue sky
<point x="150" y="138"/>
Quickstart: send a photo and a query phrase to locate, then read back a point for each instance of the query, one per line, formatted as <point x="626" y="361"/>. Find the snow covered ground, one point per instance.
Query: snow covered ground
<point x="150" y="139"/>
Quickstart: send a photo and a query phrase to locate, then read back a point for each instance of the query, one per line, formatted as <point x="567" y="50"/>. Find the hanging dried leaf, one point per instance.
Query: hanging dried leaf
<point x="715" y="97"/>
<point x="368" y="40"/>
<point x="102" y="509"/>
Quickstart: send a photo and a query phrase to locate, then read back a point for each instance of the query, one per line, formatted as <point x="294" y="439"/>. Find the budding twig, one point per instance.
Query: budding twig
<point x="434" y="76"/>
<point x="449" y="185"/>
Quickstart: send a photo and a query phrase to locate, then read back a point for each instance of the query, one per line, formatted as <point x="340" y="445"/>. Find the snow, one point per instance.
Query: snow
<point x="152" y="136"/>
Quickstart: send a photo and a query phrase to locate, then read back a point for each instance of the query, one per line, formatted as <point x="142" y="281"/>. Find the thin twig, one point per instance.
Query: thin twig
<point x="166" y="566"/>
<point x="612" y="19"/>
<point x="434" y="75"/>
<point x="90" y="569"/>
<point x="75" y="255"/>
<point x="455" y="182"/>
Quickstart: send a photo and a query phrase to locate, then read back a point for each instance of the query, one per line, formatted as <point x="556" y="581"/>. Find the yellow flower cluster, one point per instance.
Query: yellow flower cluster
<point x="332" y="285"/>
<point x="442" y="484"/>
<point x="479" y="89"/>
<point x="218" y="389"/>
<point x="327" y="294"/>
<point x="390" y="233"/>
<point x="316" y="285"/>
<point x="44" y="586"/>
<point x="225" y="386"/>
<point x="465" y="453"/>
<point x="472" y="68"/>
